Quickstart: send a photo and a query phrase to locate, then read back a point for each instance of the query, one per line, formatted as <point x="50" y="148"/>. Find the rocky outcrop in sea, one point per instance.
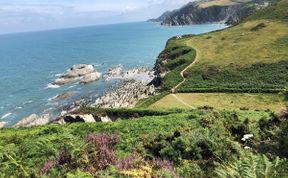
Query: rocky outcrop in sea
<point x="132" y="86"/>
<point x="83" y="73"/>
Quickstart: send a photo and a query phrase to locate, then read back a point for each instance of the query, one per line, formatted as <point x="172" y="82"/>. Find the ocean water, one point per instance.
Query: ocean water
<point x="30" y="61"/>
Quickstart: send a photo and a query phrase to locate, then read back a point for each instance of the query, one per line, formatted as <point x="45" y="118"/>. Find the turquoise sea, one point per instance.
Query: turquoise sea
<point x="30" y="61"/>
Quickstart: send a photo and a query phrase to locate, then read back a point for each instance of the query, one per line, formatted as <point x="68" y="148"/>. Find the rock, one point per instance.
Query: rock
<point x="105" y="119"/>
<point x="126" y="95"/>
<point x="114" y="73"/>
<point x="33" y="120"/>
<point x="79" y="118"/>
<point x="63" y="81"/>
<point x="2" y="124"/>
<point x="198" y="12"/>
<point x="258" y="27"/>
<point x="91" y="77"/>
<point x="63" y="96"/>
<point x="79" y="70"/>
<point x="83" y="72"/>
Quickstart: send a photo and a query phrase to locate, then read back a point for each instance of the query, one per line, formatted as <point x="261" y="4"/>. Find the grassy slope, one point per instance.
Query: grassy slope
<point x="221" y="3"/>
<point x="238" y="59"/>
<point x="228" y="59"/>
<point x="223" y="100"/>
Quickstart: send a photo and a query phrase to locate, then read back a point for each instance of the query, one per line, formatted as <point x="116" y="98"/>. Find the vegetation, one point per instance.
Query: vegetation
<point x="244" y="58"/>
<point x="244" y="101"/>
<point x="231" y="60"/>
<point x="203" y="142"/>
<point x="186" y="144"/>
<point x="178" y="59"/>
<point x="258" y="78"/>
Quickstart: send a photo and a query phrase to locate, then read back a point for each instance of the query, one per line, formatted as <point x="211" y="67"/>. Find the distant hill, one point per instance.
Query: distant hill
<point x="211" y="11"/>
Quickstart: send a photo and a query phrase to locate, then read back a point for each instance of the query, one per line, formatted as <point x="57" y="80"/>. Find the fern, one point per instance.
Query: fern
<point x="253" y="166"/>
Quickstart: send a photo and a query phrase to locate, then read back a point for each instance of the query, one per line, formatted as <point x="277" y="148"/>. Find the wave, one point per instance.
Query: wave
<point x="52" y="86"/>
<point x="6" y="115"/>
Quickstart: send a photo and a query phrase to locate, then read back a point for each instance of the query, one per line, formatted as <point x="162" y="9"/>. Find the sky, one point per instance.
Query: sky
<point x="33" y="15"/>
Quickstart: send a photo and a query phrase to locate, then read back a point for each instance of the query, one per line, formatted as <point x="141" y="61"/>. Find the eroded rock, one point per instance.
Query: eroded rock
<point x="34" y="120"/>
<point x="82" y="72"/>
<point x="79" y="118"/>
<point x="91" y="77"/>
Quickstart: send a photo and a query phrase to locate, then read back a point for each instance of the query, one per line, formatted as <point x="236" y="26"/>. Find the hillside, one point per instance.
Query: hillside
<point x="226" y="92"/>
<point x="211" y="11"/>
<point x="249" y="57"/>
<point x="184" y="143"/>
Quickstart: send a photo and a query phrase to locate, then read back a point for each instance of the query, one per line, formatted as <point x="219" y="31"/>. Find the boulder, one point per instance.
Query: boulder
<point x="34" y="120"/>
<point x="79" y="70"/>
<point x="105" y="119"/>
<point x="91" y="77"/>
<point x="2" y="124"/>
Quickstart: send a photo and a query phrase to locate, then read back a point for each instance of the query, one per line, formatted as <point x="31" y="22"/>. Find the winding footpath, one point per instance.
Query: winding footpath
<point x="174" y="89"/>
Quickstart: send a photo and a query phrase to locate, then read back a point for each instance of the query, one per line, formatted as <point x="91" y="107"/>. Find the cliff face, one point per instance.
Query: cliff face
<point x="196" y="13"/>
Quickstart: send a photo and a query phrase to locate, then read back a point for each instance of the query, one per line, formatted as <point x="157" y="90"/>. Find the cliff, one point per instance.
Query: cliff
<point x="214" y="11"/>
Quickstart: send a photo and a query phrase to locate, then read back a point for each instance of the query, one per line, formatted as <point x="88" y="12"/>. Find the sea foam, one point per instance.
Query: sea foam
<point x="6" y="115"/>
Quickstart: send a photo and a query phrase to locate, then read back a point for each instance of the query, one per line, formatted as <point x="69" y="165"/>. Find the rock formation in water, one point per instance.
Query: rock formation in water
<point x="82" y="72"/>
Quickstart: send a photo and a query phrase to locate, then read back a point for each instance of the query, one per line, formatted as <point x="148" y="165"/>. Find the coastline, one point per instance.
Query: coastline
<point x="130" y="86"/>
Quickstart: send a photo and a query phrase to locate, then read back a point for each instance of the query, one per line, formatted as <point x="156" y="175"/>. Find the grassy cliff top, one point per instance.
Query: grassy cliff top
<point x="209" y="3"/>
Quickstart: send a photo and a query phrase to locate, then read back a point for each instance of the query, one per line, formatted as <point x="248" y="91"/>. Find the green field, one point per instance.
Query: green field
<point x="238" y="59"/>
<point x="273" y="102"/>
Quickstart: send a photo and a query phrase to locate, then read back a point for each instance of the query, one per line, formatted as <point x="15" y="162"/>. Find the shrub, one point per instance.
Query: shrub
<point x="250" y="165"/>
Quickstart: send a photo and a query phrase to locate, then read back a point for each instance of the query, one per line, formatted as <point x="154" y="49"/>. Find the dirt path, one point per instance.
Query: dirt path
<point x="174" y="90"/>
<point x="183" y="102"/>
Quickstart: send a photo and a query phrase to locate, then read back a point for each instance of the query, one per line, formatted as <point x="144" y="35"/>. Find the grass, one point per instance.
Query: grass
<point x="221" y="3"/>
<point x="239" y="46"/>
<point x="24" y="151"/>
<point x="272" y="102"/>
<point x="236" y="59"/>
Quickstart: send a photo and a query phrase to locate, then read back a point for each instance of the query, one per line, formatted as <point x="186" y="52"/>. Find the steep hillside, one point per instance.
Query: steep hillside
<point x="211" y="11"/>
<point x="251" y="57"/>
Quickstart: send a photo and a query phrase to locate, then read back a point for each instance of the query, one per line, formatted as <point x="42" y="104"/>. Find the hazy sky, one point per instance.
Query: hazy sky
<point x="30" y="15"/>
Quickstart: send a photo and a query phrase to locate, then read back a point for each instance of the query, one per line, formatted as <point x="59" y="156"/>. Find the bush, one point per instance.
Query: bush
<point x="250" y="165"/>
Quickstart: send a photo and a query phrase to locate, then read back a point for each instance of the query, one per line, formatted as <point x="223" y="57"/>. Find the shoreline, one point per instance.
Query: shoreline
<point x="129" y="86"/>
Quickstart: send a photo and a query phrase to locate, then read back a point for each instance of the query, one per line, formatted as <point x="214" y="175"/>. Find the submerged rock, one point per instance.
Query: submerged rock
<point x="34" y="120"/>
<point x="62" y="96"/>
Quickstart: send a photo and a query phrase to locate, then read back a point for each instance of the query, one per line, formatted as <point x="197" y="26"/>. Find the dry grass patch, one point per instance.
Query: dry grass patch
<point x="272" y="102"/>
